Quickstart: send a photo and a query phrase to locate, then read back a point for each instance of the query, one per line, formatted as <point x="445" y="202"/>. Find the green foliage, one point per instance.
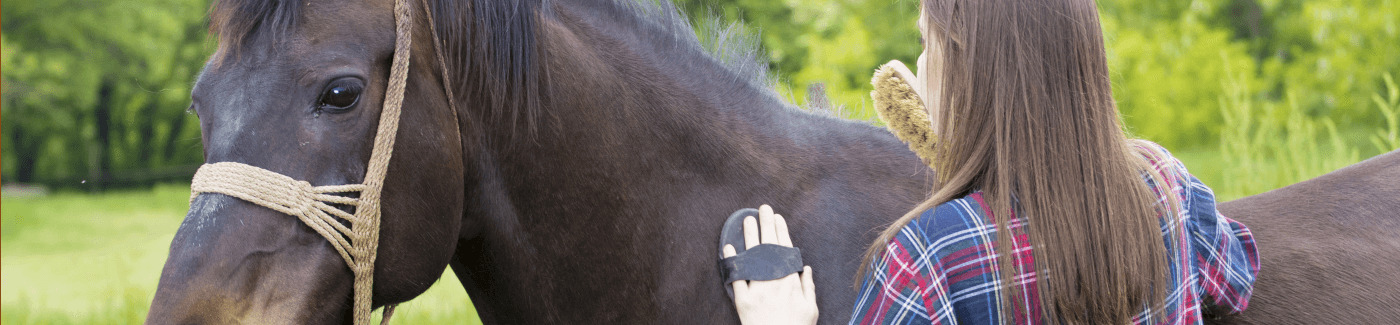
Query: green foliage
<point x="1336" y="54"/>
<point x="1157" y="72"/>
<point x="94" y="88"/>
<point x="1324" y="57"/>
<point x="1389" y="138"/>
<point x="1266" y="145"/>
<point x="837" y="43"/>
<point x="1166" y="57"/>
<point x="1255" y="94"/>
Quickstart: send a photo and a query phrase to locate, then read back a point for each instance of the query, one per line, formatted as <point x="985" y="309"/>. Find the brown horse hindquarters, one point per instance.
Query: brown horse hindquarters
<point x="1329" y="248"/>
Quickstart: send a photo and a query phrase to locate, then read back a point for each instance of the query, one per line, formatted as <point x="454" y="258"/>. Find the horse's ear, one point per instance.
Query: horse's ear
<point x="900" y="107"/>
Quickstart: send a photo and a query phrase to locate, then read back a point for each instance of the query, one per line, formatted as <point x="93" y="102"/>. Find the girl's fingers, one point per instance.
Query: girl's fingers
<point x="750" y="232"/>
<point x="910" y="77"/>
<point x="741" y="290"/>
<point x="780" y="227"/>
<point x="741" y="287"/>
<point x="809" y="288"/>
<point x="766" y="233"/>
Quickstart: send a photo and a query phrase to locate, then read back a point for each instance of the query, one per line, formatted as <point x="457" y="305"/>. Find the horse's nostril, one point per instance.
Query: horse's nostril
<point x="235" y="262"/>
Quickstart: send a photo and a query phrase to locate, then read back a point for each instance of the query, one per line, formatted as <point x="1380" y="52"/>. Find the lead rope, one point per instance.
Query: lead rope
<point x="358" y="243"/>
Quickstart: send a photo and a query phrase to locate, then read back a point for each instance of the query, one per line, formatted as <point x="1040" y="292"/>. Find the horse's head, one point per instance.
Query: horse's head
<point x="300" y="94"/>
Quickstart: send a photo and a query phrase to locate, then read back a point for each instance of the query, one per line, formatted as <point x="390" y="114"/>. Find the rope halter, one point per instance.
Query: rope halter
<point x="359" y="242"/>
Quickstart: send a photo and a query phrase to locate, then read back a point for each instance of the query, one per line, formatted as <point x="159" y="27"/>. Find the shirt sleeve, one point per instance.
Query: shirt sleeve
<point x="1223" y="250"/>
<point x="903" y="286"/>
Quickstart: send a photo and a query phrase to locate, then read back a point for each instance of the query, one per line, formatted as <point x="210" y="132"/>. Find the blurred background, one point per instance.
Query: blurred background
<point x="98" y="147"/>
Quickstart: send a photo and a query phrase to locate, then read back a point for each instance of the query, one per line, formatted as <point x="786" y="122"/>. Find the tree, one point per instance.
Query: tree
<point x="92" y="88"/>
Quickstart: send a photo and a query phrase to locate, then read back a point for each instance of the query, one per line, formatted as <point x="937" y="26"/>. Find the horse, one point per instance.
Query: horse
<point x="594" y="156"/>
<point x="583" y="178"/>
<point x="1329" y="248"/>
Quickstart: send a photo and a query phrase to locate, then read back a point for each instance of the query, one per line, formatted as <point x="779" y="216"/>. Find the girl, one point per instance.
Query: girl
<point x="1044" y="211"/>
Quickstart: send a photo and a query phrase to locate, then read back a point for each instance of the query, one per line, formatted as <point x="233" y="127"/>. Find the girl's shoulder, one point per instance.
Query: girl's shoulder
<point x="965" y="222"/>
<point x="1161" y="160"/>
<point x="1173" y="172"/>
<point x="950" y="226"/>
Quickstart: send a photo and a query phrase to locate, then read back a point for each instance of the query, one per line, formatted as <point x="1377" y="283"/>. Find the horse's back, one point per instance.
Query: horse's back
<point x="1329" y="248"/>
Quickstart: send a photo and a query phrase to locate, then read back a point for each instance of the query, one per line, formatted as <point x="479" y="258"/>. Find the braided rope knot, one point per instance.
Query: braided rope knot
<point x="311" y="204"/>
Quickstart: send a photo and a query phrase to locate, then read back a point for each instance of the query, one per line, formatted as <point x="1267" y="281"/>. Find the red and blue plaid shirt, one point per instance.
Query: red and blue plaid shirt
<point x="942" y="268"/>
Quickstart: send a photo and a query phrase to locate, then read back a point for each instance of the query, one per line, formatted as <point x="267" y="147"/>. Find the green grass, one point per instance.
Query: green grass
<point x="76" y="258"/>
<point x="1268" y="144"/>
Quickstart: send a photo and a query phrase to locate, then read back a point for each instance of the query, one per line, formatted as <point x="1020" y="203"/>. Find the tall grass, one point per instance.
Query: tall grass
<point x="1390" y="108"/>
<point x="1266" y="144"/>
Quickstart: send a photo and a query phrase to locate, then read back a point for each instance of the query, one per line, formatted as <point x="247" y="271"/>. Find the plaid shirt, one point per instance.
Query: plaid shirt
<point x="942" y="267"/>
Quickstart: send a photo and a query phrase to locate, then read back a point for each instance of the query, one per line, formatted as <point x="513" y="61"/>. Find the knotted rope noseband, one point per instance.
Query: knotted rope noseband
<point x="359" y="242"/>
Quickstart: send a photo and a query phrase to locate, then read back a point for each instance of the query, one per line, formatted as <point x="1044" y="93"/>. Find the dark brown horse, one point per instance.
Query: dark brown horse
<point x="598" y="150"/>
<point x="1329" y="248"/>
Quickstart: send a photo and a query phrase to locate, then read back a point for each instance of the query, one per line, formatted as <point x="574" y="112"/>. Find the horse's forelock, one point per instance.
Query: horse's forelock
<point x="240" y="22"/>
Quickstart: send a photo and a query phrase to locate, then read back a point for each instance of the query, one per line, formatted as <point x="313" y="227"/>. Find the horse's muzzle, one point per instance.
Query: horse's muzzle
<point x="233" y="262"/>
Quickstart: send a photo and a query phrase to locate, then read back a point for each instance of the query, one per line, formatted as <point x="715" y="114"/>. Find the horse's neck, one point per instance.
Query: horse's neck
<point x="632" y="156"/>
<point x="620" y="113"/>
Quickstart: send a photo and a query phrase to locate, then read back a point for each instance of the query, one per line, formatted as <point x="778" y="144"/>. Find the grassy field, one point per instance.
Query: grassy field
<point x="74" y="258"/>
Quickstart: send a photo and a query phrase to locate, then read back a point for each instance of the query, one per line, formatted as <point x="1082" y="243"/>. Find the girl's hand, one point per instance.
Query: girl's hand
<point x="913" y="79"/>
<point x="789" y="300"/>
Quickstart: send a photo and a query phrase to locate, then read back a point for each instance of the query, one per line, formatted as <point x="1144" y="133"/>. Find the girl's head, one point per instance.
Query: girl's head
<point x="1019" y="95"/>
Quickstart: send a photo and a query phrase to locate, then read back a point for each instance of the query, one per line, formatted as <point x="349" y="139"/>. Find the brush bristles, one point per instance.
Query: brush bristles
<point x="899" y="106"/>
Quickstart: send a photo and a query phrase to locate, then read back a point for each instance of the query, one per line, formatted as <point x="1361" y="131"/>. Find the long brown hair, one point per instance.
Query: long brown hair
<point x="1025" y="114"/>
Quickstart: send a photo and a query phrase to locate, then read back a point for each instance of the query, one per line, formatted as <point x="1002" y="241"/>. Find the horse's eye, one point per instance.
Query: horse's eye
<point x="341" y="94"/>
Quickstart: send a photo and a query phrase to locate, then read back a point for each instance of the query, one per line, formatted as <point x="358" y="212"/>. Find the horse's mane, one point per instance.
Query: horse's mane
<point x="670" y="32"/>
<point x="496" y="40"/>
<point x="239" y="22"/>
